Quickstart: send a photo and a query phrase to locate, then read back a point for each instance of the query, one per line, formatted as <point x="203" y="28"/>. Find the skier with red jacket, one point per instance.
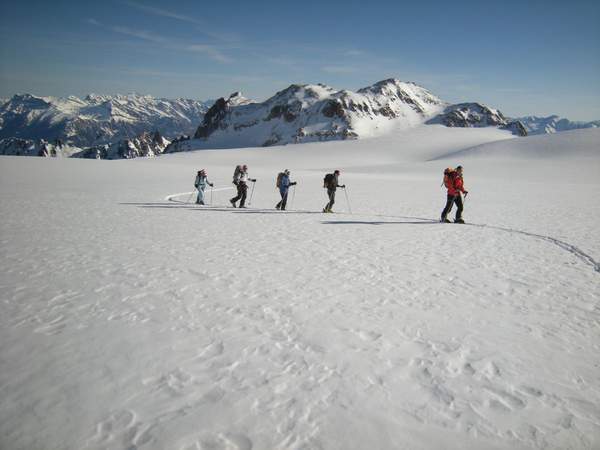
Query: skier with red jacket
<point x="453" y="180"/>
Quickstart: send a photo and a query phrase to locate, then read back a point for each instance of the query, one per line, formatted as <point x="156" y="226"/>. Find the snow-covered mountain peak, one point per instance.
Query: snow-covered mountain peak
<point x="467" y="115"/>
<point x="96" y="119"/>
<point x="237" y="99"/>
<point x="309" y="112"/>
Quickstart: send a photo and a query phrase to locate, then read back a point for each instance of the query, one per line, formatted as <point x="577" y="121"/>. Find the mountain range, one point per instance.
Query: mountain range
<point x="97" y="119"/>
<point x="553" y="124"/>
<point x="128" y="126"/>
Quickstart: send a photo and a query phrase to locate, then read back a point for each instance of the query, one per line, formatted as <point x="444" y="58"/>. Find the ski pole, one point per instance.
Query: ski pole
<point x="347" y="200"/>
<point x="211" y="197"/>
<point x="252" y="193"/>
<point x="293" y="197"/>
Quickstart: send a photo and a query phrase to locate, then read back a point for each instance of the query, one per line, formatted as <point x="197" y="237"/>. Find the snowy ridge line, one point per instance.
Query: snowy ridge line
<point x="170" y="197"/>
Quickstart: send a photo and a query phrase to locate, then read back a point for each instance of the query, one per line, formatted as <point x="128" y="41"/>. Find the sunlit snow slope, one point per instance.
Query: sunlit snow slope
<point x="132" y="319"/>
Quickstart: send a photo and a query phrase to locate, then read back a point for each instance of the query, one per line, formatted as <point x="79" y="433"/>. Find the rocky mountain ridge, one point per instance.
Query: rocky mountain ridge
<point x="96" y="119"/>
<point x="308" y="113"/>
<point x="466" y="115"/>
<point x="127" y="126"/>
<point x="143" y="145"/>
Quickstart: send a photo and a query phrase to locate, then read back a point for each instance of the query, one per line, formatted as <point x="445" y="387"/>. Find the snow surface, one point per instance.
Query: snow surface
<point x="133" y="321"/>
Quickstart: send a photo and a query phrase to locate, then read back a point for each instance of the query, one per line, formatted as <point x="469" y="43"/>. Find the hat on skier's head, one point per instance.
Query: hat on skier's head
<point x="244" y="167"/>
<point x="459" y="168"/>
<point x="286" y="171"/>
<point x="337" y="171"/>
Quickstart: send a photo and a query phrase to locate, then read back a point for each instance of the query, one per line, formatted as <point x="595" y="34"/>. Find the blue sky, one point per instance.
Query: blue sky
<point x="523" y="57"/>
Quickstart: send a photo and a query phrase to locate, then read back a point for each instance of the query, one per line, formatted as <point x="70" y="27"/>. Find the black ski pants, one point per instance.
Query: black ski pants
<point x="331" y="195"/>
<point x="449" y="202"/>
<point x="242" y="192"/>
<point x="283" y="201"/>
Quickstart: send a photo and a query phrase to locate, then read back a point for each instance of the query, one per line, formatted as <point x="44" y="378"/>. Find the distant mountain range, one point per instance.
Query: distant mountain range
<point x="97" y="119"/>
<point x="128" y="126"/>
<point x="553" y="124"/>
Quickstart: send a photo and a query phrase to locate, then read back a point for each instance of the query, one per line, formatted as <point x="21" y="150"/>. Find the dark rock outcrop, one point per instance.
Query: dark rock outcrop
<point x="466" y="115"/>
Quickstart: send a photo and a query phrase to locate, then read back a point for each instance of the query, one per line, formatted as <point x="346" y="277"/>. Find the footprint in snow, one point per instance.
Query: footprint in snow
<point x="122" y="428"/>
<point x="221" y="441"/>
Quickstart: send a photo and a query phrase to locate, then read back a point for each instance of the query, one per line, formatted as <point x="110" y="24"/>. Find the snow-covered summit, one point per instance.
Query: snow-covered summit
<point x="313" y="112"/>
<point x="96" y="119"/>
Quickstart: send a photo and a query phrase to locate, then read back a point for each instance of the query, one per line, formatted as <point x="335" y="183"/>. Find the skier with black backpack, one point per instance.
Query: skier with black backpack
<point x="453" y="181"/>
<point x="330" y="182"/>
<point x="200" y="184"/>
<point x="240" y="179"/>
<point x="283" y="184"/>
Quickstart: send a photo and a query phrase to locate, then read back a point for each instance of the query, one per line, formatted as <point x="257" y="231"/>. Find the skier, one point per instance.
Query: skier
<point x="331" y="183"/>
<point x="200" y="184"/>
<point x="284" y="183"/>
<point x="241" y="179"/>
<point x="453" y="180"/>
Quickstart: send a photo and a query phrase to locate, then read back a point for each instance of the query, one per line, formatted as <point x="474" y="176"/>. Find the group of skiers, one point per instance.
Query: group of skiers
<point x="453" y="181"/>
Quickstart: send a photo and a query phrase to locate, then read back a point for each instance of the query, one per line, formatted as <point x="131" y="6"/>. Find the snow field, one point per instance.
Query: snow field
<point x="131" y="321"/>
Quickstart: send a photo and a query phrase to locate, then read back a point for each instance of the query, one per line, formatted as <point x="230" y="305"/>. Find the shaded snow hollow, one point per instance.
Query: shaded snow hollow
<point x="131" y="321"/>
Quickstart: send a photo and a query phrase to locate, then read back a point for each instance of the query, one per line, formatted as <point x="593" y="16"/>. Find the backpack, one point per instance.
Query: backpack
<point x="328" y="180"/>
<point x="449" y="175"/>
<point x="237" y="173"/>
<point x="279" y="177"/>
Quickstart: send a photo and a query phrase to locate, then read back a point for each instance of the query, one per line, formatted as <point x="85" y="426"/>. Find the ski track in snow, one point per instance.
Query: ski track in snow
<point x="564" y="245"/>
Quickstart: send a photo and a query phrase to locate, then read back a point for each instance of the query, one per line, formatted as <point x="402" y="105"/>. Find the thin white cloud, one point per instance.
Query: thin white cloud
<point x="163" y="13"/>
<point x="140" y="34"/>
<point x="216" y="35"/>
<point x="209" y="51"/>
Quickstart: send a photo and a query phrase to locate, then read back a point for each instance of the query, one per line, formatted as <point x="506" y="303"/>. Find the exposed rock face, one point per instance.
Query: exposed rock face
<point x="39" y="147"/>
<point x="144" y="145"/>
<point x="516" y="127"/>
<point x="466" y="115"/>
<point x="212" y="119"/>
<point x="305" y="113"/>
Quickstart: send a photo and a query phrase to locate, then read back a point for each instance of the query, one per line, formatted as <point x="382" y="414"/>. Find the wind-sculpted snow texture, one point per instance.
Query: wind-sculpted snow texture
<point x="133" y="319"/>
<point x="307" y="113"/>
<point x="97" y="119"/>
